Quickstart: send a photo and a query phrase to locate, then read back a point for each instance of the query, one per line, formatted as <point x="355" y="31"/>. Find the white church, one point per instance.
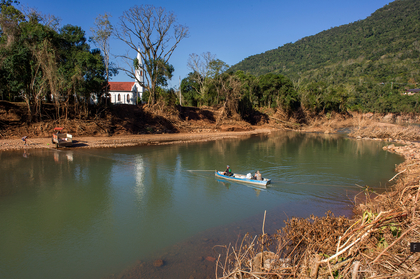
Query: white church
<point x="128" y="92"/>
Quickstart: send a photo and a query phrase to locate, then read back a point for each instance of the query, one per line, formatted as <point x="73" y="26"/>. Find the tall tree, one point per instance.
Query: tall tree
<point x="163" y="71"/>
<point x="189" y="93"/>
<point x="101" y="35"/>
<point x="201" y="65"/>
<point x="231" y="92"/>
<point x="155" y="34"/>
<point x="40" y="62"/>
<point x="216" y="70"/>
<point x="217" y="67"/>
<point x="208" y="70"/>
<point x="10" y="18"/>
<point x="278" y="91"/>
<point x="83" y="70"/>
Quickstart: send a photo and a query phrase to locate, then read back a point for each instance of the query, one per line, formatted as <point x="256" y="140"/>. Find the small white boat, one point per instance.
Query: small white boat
<point x="243" y="178"/>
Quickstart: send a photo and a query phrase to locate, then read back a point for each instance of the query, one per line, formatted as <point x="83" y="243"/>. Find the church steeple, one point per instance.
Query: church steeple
<point x="139" y="74"/>
<point x="139" y="70"/>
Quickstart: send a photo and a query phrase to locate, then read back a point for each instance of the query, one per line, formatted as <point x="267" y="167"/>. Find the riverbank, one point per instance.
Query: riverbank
<point x="129" y="140"/>
<point x="199" y="130"/>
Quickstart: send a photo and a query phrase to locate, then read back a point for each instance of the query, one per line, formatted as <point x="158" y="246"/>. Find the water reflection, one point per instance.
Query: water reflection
<point x="256" y="188"/>
<point x="102" y="210"/>
<point x="140" y="177"/>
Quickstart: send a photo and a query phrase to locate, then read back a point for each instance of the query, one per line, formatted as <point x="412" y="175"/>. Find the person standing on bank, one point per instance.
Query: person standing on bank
<point x="24" y="139"/>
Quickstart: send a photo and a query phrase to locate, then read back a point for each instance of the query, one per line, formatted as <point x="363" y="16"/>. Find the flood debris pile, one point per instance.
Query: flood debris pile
<point x="390" y="132"/>
<point x="375" y="243"/>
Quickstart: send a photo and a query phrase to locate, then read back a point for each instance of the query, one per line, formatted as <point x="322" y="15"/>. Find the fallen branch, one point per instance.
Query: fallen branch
<point x="407" y="231"/>
<point x="355" y="270"/>
<point x="397" y="175"/>
<point x="286" y="122"/>
<point x="345" y="249"/>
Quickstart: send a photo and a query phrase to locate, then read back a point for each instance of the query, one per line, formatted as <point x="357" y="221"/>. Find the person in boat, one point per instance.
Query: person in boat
<point x="228" y="171"/>
<point x="258" y="175"/>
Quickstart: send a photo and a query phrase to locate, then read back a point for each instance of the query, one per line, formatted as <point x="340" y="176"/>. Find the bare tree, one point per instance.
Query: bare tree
<point x="200" y="64"/>
<point x="230" y="89"/>
<point x="45" y="66"/>
<point x="49" y="20"/>
<point x="154" y="33"/>
<point x="101" y="34"/>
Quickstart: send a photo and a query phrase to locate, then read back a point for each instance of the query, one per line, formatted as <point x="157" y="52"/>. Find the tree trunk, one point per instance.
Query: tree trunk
<point x="28" y="105"/>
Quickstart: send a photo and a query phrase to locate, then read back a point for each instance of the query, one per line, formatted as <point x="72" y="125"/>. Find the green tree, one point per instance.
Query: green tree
<point x="163" y="70"/>
<point x="217" y="67"/>
<point x="208" y="70"/>
<point x="278" y="91"/>
<point x="312" y="96"/>
<point x="200" y="64"/>
<point x="10" y="18"/>
<point x="40" y="62"/>
<point x="83" y="71"/>
<point x="250" y="94"/>
<point x="188" y="89"/>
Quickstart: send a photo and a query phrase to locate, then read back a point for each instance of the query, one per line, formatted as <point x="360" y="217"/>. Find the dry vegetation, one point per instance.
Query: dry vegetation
<point x="392" y="132"/>
<point x="375" y="243"/>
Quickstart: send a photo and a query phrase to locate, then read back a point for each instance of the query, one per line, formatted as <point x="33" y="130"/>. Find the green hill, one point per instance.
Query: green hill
<point x="383" y="48"/>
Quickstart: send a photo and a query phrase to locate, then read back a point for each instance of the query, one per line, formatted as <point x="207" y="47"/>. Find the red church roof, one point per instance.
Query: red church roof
<point x="120" y="86"/>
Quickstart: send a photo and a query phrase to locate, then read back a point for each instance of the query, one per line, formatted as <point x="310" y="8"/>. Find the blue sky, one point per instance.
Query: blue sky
<point x="230" y="29"/>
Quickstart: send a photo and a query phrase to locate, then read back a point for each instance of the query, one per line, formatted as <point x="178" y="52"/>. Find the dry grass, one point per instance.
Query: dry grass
<point x="364" y="126"/>
<point x="381" y="131"/>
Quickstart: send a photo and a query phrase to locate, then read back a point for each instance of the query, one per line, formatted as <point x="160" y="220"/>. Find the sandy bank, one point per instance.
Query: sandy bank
<point x="128" y="140"/>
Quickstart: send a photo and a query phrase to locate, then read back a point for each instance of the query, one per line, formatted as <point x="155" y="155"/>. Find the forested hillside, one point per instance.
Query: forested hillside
<point x="383" y="48"/>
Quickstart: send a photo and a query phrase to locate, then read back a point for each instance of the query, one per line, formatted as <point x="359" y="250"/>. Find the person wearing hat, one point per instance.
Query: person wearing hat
<point x="228" y="171"/>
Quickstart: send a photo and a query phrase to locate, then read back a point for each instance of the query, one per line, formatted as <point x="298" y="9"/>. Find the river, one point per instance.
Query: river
<point x="106" y="213"/>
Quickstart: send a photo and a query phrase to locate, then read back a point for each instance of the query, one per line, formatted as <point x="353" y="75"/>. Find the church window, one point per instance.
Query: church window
<point x="141" y="73"/>
<point x="119" y="98"/>
<point x="128" y="98"/>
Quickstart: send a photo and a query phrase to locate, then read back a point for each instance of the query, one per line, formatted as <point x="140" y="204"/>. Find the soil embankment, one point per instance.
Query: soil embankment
<point x="123" y="126"/>
<point x="127" y="125"/>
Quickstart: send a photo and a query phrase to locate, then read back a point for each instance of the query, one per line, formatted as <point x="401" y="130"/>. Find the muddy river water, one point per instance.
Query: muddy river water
<point x="108" y="213"/>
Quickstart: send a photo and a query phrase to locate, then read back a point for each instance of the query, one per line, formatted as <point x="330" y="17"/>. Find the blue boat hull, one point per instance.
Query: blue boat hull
<point x="242" y="178"/>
